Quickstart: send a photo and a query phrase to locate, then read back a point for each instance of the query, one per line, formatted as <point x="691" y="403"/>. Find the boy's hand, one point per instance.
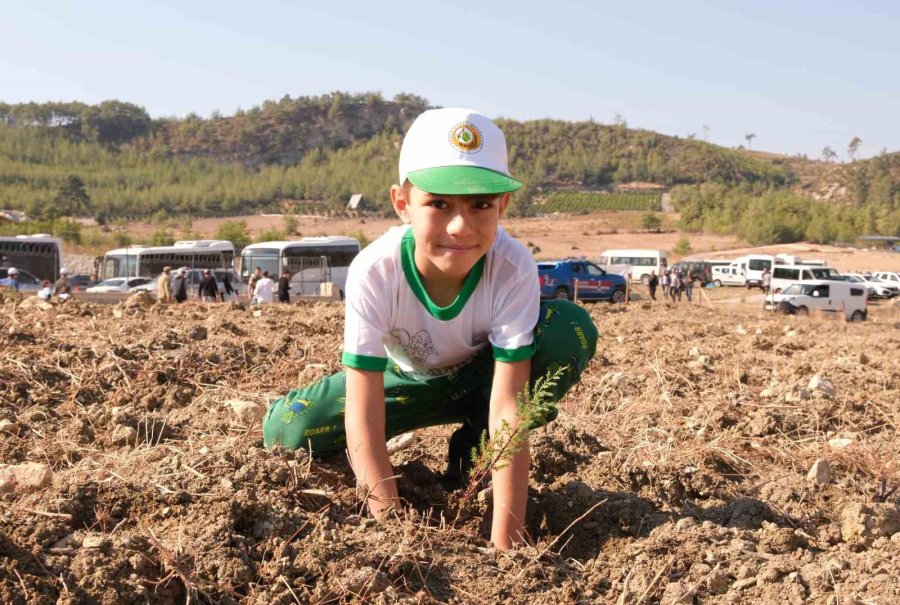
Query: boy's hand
<point x="364" y="423"/>
<point x="511" y="481"/>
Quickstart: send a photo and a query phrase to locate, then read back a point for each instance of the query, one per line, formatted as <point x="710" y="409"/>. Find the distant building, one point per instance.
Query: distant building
<point x="13" y="216"/>
<point x="887" y="241"/>
<point x="358" y="203"/>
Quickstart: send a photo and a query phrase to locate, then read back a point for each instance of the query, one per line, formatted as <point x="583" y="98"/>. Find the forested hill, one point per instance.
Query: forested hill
<point x="311" y="148"/>
<point x="113" y="161"/>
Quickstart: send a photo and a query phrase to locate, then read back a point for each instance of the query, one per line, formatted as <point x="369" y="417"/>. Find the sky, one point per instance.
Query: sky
<point x="800" y="75"/>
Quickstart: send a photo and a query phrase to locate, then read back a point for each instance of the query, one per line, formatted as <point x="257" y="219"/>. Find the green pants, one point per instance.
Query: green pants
<point x="313" y="416"/>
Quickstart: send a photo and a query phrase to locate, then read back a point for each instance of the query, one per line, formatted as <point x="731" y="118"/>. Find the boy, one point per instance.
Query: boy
<point x="443" y="324"/>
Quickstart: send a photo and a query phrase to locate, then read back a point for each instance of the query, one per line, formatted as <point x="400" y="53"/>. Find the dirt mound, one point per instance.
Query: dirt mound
<point x="676" y="473"/>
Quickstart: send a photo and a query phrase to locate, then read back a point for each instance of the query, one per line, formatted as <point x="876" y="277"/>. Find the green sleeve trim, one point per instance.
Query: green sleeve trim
<point x="364" y="362"/>
<point x="509" y="355"/>
<point x="408" y="262"/>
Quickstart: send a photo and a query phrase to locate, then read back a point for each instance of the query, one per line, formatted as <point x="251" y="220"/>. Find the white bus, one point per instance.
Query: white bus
<point x="40" y="254"/>
<point x="149" y="261"/>
<point x="311" y="261"/>
<point x="639" y="263"/>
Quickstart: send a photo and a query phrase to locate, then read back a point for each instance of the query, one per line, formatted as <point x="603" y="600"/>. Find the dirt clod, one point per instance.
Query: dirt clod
<point x="247" y="412"/>
<point x="24" y="478"/>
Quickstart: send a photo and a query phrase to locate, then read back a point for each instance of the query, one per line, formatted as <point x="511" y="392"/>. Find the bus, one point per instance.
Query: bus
<point x="149" y="261"/>
<point x="40" y="254"/>
<point x="311" y="261"/>
<point x="639" y="263"/>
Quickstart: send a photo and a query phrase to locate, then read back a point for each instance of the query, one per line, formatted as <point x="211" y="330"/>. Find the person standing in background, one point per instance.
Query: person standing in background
<point x="652" y="284"/>
<point x="179" y="287"/>
<point x="163" y="287"/>
<point x="251" y="284"/>
<point x="264" y="291"/>
<point x="284" y="288"/>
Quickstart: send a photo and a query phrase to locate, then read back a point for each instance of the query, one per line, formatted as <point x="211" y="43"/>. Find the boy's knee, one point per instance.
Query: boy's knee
<point x="569" y="329"/>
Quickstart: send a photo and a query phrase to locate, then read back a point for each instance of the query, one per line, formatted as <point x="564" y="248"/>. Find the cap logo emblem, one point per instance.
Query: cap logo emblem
<point x="466" y="137"/>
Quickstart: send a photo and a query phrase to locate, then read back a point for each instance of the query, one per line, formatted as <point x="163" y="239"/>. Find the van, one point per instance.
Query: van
<point x="728" y="275"/>
<point x="785" y="275"/>
<point x="637" y="262"/>
<point x="754" y="265"/>
<point x="822" y="295"/>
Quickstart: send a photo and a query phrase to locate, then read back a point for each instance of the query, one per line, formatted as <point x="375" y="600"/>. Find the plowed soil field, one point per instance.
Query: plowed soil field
<point x="132" y="468"/>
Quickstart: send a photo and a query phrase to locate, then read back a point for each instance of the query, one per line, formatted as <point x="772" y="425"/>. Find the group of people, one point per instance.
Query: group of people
<point x="60" y="288"/>
<point x="262" y="289"/>
<point x="674" y="284"/>
<point x="174" y="288"/>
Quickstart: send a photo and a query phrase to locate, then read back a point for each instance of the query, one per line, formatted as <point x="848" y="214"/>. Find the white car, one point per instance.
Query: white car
<point x="876" y="287"/>
<point x="824" y="296"/>
<point x="118" y="284"/>
<point x="891" y="278"/>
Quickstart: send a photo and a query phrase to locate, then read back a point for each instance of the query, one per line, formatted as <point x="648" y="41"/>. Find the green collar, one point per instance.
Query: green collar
<point x="408" y="260"/>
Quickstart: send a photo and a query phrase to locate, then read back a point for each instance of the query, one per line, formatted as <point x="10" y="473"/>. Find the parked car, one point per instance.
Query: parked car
<point x="876" y="287"/>
<point x="27" y="281"/>
<point x="119" y="284"/>
<point x="891" y="278"/>
<point x="557" y="279"/>
<point x="80" y="281"/>
<point x="825" y="296"/>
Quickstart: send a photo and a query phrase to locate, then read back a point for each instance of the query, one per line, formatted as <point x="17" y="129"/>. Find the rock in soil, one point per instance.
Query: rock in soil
<point x="24" y="478"/>
<point x="247" y="412"/>
<point x="820" y="472"/>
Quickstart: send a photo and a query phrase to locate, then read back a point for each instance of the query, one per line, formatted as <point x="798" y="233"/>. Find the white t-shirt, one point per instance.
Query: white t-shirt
<point x="264" y="291"/>
<point x="390" y="316"/>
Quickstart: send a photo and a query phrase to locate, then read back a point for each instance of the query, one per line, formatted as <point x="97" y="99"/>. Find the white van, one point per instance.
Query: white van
<point x="754" y="265"/>
<point x="785" y="275"/>
<point x="825" y="296"/>
<point x="638" y="262"/>
<point x="728" y="275"/>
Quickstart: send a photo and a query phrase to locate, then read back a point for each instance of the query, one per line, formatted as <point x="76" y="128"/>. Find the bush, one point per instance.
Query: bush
<point x="683" y="246"/>
<point x="67" y="230"/>
<point x="162" y="237"/>
<point x="651" y="221"/>
<point x="290" y="224"/>
<point x="235" y="232"/>
<point x="121" y="240"/>
<point x="271" y="235"/>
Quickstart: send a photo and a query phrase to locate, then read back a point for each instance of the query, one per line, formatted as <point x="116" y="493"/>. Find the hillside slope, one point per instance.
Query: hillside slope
<point x="319" y="148"/>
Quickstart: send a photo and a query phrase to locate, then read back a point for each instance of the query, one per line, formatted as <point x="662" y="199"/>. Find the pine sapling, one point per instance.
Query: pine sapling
<point x="534" y="404"/>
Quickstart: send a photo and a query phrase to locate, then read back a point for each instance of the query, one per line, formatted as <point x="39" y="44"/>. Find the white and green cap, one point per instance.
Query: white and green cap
<point x="456" y="151"/>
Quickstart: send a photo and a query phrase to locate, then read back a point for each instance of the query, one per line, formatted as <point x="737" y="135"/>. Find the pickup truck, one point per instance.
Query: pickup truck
<point x="557" y="279"/>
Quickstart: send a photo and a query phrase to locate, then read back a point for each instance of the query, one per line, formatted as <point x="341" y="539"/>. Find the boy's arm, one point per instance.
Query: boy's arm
<point x="510" y="482"/>
<point x="364" y="422"/>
